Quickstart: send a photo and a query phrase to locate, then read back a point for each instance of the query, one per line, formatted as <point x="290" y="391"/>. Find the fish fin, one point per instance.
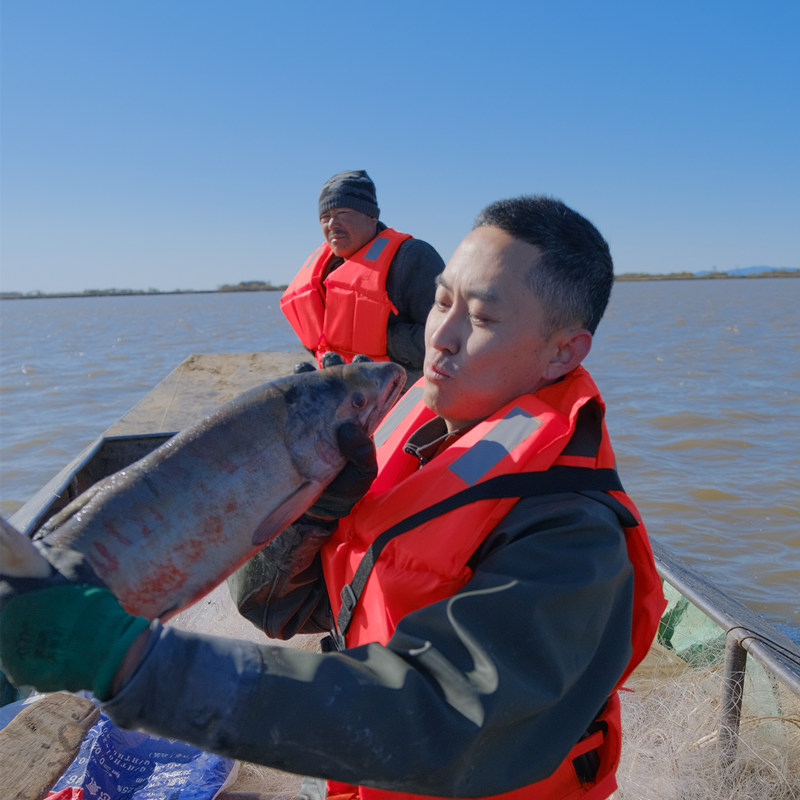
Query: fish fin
<point x="19" y="558"/>
<point x="69" y="511"/>
<point x="286" y="513"/>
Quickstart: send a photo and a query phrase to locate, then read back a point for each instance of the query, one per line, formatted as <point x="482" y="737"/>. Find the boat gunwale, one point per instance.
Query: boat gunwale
<point x="771" y="648"/>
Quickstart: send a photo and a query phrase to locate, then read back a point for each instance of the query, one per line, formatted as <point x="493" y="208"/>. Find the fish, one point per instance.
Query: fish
<point x="166" y="530"/>
<point x="19" y="558"/>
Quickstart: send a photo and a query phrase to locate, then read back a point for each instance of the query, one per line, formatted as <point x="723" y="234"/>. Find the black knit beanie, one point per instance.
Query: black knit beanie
<point x="353" y="189"/>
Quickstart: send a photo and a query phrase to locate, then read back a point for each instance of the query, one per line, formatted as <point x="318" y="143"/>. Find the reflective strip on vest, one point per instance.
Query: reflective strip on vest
<point x="504" y="436"/>
<point x="398" y="413"/>
<point x="375" y="250"/>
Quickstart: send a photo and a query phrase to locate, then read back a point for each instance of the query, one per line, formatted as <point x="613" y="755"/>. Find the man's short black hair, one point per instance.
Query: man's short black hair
<point x="574" y="276"/>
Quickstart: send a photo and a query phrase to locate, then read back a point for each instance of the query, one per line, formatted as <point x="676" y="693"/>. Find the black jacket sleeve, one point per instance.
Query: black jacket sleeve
<point x="473" y="696"/>
<point x="411" y="286"/>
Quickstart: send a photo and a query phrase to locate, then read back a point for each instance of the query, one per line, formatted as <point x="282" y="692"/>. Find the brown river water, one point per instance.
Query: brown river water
<point x="701" y="379"/>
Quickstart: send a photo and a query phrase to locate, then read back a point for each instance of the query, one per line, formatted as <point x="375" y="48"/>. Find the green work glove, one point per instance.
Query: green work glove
<point x="68" y="637"/>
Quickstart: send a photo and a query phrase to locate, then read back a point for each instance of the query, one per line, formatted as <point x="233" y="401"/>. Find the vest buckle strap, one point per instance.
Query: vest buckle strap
<point x="349" y="598"/>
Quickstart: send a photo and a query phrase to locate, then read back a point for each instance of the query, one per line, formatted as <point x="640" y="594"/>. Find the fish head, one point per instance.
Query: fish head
<point x="371" y="389"/>
<point x="318" y="403"/>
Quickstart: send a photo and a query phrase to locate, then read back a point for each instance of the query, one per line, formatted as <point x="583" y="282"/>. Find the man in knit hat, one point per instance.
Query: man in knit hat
<point x="366" y="290"/>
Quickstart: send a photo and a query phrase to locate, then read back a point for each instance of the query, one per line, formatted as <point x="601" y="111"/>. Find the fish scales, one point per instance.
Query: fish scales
<point x="166" y="530"/>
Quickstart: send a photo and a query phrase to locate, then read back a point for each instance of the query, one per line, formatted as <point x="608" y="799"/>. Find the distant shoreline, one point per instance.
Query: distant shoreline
<point x="254" y="286"/>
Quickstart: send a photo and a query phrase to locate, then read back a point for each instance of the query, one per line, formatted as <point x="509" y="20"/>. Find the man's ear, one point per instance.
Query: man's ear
<point x="572" y="346"/>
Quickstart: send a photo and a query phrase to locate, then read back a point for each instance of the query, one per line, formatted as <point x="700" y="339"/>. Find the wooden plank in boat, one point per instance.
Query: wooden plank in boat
<point x="41" y="741"/>
<point x="198" y="385"/>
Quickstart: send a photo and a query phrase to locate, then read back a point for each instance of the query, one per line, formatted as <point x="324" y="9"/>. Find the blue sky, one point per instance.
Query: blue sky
<point x="181" y="144"/>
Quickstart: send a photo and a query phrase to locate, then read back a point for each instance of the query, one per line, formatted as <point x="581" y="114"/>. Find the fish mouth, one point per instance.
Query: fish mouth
<point x="394" y="389"/>
<point x="389" y="396"/>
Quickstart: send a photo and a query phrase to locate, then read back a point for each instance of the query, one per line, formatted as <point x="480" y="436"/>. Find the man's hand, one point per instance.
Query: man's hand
<point x="68" y="636"/>
<point x="351" y="484"/>
<point x="330" y="359"/>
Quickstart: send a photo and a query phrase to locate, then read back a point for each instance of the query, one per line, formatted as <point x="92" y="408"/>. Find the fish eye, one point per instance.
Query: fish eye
<point x="359" y="401"/>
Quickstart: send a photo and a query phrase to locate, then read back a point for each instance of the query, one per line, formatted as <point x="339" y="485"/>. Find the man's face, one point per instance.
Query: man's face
<point x="484" y="340"/>
<point x="347" y="230"/>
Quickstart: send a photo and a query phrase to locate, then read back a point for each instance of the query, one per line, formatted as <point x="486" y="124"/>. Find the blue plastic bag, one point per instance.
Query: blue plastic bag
<point x="130" y="765"/>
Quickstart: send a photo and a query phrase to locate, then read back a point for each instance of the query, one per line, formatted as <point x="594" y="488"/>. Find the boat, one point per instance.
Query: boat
<point x="718" y="693"/>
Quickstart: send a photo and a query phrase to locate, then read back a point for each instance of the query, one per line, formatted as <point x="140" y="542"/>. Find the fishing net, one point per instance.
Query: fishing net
<point x="671" y="721"/>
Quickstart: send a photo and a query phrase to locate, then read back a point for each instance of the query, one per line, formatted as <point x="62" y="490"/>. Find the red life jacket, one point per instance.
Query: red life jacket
<point x="348" y="311"/>
<point x="531" y="434"/>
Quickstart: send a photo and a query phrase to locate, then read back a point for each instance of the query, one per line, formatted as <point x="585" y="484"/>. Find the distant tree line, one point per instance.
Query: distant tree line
<point x="683" y="276"/>
<point x="242" y="286"/>
<point x="250" y="286"/>
<point x="266" y="286"/>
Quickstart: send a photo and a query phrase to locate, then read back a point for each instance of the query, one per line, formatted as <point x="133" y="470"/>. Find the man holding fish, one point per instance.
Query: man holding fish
<point x="488" y="584"/>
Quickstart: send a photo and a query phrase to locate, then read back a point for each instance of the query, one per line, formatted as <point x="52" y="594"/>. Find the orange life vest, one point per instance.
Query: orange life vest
<point x="422" y="565"/>
<point x="346" y="312"/>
